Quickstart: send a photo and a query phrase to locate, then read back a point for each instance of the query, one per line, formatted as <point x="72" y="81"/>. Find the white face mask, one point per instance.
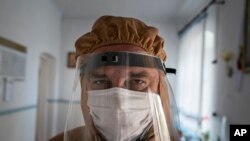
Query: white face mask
<point x="120" y="114"/>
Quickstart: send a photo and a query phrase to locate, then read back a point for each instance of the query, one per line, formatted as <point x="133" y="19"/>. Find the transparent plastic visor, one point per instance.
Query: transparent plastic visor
<point x="121" y="96"/>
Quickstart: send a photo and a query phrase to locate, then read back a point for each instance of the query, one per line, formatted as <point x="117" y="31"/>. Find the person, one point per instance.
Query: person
<point x="124" y="93"/>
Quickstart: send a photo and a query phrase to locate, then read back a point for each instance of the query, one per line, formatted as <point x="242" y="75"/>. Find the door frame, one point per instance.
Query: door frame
<point x="46" y="85"/>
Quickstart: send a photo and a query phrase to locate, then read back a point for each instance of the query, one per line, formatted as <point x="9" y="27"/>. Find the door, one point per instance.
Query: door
<point x="45" y="89"/>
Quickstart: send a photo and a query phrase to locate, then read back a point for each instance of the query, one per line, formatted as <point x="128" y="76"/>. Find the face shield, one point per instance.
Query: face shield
<point x="121" y="96"/>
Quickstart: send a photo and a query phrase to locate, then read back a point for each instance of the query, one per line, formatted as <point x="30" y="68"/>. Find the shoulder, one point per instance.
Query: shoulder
<point x="75" y="133"/>
<point x="58" y="137"/>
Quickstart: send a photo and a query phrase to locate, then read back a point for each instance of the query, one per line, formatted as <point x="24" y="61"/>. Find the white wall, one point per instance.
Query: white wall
<point x="227" y="100"/>
<point x="35" y="24"/>
<point x="72" y="29"/>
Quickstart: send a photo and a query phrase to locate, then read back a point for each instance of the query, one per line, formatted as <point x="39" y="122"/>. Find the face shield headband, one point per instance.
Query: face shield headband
<point x="122" y="59"/>
<point x="122" y="114"/>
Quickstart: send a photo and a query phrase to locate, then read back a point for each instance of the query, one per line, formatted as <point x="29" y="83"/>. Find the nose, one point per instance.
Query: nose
<point x="119" y="82"/>
<point x="117" y="76"/>
<point x="119" y="79"/>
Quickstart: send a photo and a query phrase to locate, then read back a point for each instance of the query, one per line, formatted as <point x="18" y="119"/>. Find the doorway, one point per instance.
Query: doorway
<point x="45" y="89"/>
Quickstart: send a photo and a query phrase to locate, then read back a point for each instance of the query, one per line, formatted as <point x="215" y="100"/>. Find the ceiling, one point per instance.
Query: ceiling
<point x="179" y="10"/>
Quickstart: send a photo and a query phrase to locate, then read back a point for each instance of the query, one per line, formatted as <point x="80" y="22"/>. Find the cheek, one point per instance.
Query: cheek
<point x="155" y="80"/>
<point x="154" y="86"/>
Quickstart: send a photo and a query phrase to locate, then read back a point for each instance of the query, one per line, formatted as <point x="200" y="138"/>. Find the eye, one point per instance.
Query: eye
<point x="139" y="81"/>
<point x="100" y="84"/>
<point x="136" y="84"/>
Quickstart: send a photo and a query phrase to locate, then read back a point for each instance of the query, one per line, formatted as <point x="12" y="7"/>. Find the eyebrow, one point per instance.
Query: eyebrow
<point x="139" y="74"/>
<point x="131" y="74"/>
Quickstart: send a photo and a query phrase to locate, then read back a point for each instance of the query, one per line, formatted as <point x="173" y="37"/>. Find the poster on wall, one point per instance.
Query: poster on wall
<point x="12" y="66"/>
<point x="71" y="60"/>
<point x="12" y="59"/>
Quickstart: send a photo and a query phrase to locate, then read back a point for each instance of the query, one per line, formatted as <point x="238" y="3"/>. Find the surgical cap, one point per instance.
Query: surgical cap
<point x="112" y="30"/>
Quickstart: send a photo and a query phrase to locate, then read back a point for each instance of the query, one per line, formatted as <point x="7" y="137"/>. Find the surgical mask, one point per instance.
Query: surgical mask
<point x="120" y="114"/>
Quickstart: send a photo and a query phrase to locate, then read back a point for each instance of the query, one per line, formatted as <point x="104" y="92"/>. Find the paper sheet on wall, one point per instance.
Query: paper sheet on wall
<point x="12" y="63"/>
<point x="8" y="90"/>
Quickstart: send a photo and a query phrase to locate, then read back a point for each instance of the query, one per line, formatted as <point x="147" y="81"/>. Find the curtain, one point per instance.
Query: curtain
<point x="189" y="76"/>
<point x="196" y="73"/>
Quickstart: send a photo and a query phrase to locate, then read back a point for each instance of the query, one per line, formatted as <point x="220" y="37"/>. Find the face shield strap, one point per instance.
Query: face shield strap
<point x="124" y="59"/>
<point x="170" y="70"/>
